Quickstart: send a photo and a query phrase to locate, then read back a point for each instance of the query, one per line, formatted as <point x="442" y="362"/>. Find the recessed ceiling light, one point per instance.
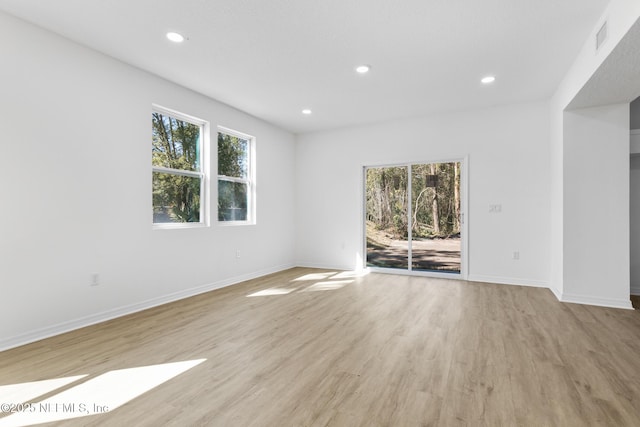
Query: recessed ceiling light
<point x="363" y="69"/>
<point x="488" y="79"/>
<point x="175" y="37"/>
<point x="306" y="111"/>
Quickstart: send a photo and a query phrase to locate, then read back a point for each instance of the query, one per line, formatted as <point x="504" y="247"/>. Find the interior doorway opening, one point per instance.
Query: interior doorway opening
<point x="634" y="202"/>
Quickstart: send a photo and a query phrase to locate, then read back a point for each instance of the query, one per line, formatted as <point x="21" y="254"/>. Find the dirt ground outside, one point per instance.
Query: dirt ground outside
<point x="442" y="255"/>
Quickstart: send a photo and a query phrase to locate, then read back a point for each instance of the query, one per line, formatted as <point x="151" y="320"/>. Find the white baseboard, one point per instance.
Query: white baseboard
<point x="507" y="281"/>
<point x="82" y="322"/>
<point x="602" y="302"/>
<point x="635" y="289"/>
<point x="556" y="292"/>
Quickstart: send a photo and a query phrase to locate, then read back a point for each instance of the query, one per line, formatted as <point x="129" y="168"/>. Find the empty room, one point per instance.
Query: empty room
<point x="320" y="213"/>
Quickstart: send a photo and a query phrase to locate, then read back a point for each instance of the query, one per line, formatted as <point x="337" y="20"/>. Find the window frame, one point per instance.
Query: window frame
<point x="250" y="181"/>
<point x="203" y="174"/>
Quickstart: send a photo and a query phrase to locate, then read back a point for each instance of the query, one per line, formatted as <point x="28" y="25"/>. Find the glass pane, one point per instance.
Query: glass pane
<point x="176" y="198"/>
<point x="232" y="201"/>
<point x="435" y="243"/>
<point x="176" y="143"/>
<point x="233" y="156"/>
<point x="386" y="215"/>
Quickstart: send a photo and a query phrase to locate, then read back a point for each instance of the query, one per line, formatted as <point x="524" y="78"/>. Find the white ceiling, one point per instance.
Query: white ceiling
<point x="618" y="78"/>
<point x="272" y="58"/>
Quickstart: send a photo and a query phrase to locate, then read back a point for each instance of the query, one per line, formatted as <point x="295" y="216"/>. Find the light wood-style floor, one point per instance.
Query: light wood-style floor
<point x="379" y="350"/>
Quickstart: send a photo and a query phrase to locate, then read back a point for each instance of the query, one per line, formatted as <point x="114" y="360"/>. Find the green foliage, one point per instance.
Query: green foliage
<point x="387" y="199"/>
<point x="233" y="155"/>
<point x="232" y="201"/>
<point x="176" y="198"/>
<point x="233" y="162"/>
<point x="175" y="145"/>
<point x="434" y="196"/>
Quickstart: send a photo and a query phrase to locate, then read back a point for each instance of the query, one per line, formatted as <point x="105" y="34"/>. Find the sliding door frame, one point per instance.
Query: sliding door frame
<point x="464" y="219"/>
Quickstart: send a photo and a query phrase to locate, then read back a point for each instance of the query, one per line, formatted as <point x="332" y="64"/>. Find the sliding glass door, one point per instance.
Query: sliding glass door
<point x="413" y="217"/>
<point x="387" y="211"/>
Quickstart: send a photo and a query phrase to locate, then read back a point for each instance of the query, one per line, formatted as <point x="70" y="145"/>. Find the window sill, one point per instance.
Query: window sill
<point x="235" y="223"/>
<point x="179" y="226"/>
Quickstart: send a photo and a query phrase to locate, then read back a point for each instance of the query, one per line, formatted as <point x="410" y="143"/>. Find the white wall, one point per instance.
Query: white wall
<point x="556" y="192"/>
<point x="634" y="143"/>
<point x="621" y="16"/>
<point x="508" y="164"/>
<point x="635" y="114"/>
<point x="596" y="205"/>
<point x="634" y="198"/>
<point x="75" y="191"/>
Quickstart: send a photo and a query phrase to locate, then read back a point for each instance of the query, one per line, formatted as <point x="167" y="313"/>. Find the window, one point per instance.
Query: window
<point x="235" y="177"/>
<point x="179" y="194"/>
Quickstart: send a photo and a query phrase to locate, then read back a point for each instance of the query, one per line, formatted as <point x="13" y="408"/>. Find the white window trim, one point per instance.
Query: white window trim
<point x="203" y="174"/>
<point x="250" y="181"/>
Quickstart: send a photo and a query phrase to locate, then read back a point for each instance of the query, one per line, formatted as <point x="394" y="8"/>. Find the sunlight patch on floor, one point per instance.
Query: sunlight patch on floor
<point x="271" y="291"/>
<point x="24" y="392"/>
<point x="315" y="276"/>
<point x="326" y="281"/>
<point x="350" y="274"/>
<point x="328" y="286"/>
<point x="99" y="395"/>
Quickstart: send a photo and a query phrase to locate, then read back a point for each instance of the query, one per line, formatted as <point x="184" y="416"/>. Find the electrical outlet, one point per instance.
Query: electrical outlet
<point x="237" y="253"/>
<point x="95" y="279"/>
<point x="516" y="255"/>
<point x="495" y="208"/>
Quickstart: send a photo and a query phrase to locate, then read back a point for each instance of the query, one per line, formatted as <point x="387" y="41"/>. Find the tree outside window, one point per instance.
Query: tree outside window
<point x="178" y="172"/>
<point x="235" y="177"/>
